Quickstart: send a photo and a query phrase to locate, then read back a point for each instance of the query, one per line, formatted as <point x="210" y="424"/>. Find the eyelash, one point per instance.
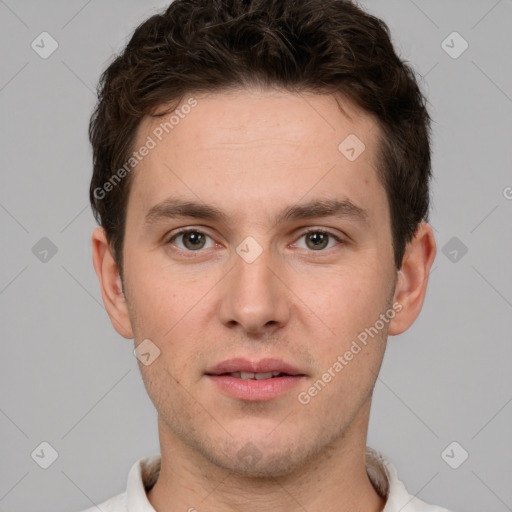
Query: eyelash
<point x="305" y="233"/>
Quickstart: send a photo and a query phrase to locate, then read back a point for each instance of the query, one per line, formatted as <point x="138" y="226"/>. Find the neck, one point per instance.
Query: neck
<point x="333" y="480"/>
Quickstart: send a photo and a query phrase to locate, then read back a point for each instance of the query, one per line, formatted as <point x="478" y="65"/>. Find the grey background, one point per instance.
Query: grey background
<point x="67" y="378"/>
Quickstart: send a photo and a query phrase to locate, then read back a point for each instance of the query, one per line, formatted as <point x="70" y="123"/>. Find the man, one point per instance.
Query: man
<point x="261" y="178"/>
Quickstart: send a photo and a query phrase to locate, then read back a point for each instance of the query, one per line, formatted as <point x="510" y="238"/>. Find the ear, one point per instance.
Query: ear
<point x="413" y="278"/>
<point x="110" y="283"/>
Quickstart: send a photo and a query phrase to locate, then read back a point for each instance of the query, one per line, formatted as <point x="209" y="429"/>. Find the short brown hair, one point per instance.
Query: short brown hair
<point x="323" y="46"/>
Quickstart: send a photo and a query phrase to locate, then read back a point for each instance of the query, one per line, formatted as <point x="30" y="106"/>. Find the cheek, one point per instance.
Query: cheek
<point x="170" y="310"/>
<point x="350" y="303"/>
<point x="164" y="387"/>
<point x="161" y="298"/>
<point x="346" y="300"/>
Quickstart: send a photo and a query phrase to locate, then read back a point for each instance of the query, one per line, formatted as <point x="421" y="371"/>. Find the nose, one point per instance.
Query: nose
<point x="254" y="298"/>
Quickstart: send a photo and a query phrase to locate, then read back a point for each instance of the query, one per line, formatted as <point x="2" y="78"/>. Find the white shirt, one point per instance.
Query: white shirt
<point x="144" y="474"/>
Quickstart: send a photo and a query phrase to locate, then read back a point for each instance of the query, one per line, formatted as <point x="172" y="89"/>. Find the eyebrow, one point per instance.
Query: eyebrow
<point x="177" y="208"/>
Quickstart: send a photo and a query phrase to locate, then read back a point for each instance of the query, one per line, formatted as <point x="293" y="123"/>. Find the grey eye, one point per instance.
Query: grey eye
<point x="191" y="240"/>
<point x="318" y="240"/>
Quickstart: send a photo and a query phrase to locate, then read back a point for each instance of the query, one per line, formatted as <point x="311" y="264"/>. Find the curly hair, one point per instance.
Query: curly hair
<point x="319" y="46"/>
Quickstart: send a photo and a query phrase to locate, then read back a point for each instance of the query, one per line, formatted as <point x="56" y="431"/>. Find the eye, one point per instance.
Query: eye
<point x="191" y="240"/>
<point x="318" y="240"/>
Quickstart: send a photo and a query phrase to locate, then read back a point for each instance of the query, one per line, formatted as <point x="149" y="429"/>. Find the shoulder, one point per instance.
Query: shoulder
<point x="141" y="477"/>
<point x="115" y="504"/>
<point x="384" y="478"/>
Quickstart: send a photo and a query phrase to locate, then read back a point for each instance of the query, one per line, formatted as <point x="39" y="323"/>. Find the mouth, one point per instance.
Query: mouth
<point x="245" y="369"/>
<point x="255" y="380"/>
<point x="255" y="376"/>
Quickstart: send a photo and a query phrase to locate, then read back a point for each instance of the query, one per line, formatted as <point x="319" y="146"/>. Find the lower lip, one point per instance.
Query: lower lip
<point x="254" y="390"/>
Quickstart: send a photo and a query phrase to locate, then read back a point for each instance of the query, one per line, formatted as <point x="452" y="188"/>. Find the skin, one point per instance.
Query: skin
<point x="252" y="153"/>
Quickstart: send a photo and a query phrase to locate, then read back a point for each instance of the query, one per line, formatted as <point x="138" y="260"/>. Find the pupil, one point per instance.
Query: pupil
<point x="193" y="240"/>
<point x="319" y="240"/>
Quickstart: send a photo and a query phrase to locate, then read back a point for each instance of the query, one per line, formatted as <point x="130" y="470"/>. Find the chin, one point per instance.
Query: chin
<point x="259" y="458"/>
<point x="268" y="466"/>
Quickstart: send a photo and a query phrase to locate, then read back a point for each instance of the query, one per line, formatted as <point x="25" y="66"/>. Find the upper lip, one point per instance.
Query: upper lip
<point x="245" y="365"/>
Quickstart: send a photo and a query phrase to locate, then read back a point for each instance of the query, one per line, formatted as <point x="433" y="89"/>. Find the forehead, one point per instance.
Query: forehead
<point x="259" y="116"/>
<point x="245" y="143"/>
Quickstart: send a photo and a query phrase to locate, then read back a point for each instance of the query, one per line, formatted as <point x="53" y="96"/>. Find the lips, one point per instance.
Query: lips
<point x="259" y="370"/>
<point x="255" y="381"/>
<point x="257" y="376"/>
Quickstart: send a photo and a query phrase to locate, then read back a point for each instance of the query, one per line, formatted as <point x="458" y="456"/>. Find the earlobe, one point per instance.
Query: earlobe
<point x="110" y="284"/>
<point x="412" y="278"/>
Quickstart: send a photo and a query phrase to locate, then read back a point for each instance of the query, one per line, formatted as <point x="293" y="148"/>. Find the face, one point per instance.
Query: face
<point x="253" y="243"/>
